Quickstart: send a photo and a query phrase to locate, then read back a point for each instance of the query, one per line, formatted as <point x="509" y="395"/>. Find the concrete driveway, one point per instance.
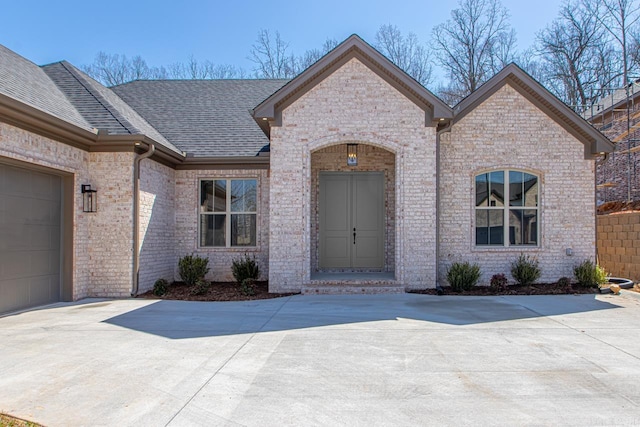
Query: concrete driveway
<point x="326" y="360"/>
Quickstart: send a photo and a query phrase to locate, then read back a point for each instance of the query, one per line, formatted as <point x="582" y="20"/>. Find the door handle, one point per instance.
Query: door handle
<point x="354" y="235"/>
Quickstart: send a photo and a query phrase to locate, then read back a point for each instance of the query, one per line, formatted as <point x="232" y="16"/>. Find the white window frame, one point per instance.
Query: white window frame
<point x="227" y="213"/>
<point x="506" y="243"/>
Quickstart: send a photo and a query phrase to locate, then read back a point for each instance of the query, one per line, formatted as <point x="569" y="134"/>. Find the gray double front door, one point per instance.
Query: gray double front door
<point x="351" y="220"/>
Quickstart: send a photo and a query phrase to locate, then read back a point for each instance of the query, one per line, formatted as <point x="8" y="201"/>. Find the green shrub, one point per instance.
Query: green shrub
<point x="525" y="270"/>
<point x="160" y="287"/>
<point x="245" y="268"/>
<point x="589" y="275"/>
<point x="192" y="268"/>
<point x="564" y="283"/>
<point x="463" y="276"/>
<point x="201" y="287"/>
<point x="247" y="287"/>
<point x="498" y="282"/>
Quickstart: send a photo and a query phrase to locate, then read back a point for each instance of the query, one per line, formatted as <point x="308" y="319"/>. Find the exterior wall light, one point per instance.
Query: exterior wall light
<point x="89" y="198"/>
<point x="352" y="154"/>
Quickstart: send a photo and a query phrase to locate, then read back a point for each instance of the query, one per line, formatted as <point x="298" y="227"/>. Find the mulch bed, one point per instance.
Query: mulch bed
<point x="218" y="291"/>
<point x="535" y="289"/>
<point x="229" y="291"/>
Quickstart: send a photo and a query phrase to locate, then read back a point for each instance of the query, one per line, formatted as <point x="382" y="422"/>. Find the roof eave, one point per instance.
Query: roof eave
<point x="226" y="162"/>
<point x="113" y="143"/>
<point x="29" y="118"/>
<point x="19" y="114"/>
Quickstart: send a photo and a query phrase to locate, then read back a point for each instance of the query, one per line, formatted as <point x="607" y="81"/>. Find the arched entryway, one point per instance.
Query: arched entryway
<point x="353" y="218"/>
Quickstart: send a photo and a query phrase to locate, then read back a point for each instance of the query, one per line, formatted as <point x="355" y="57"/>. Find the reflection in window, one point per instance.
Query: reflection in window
<point x="228" y="212"/>
<point x="519" y="221"/>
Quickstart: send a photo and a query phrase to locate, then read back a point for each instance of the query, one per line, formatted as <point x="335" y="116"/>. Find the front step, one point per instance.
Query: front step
<point x="351" y="289"/>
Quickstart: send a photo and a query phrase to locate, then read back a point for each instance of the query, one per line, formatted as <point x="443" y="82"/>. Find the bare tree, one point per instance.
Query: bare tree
<point x="115" y="69"/>
<point x="576" y="61"/>
<point x="273" y="61"/>
<point x="312" y="55"/>
<point x="619" y="18"/>
<point x="269" y="53"/>
<point x="473" y="45"/>
<point x="406" y="52"/>
<point x="529" y="61"/>
<point x="194" y="69"/>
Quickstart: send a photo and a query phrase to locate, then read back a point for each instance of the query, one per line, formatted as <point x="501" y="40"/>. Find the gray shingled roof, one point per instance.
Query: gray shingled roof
<point x="26" y="82"/>
<point x="102" y="108"/>
<point x="205" y="118"/>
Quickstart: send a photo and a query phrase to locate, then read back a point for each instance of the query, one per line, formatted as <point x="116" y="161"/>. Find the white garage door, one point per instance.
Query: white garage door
<point x="30" y="236"/>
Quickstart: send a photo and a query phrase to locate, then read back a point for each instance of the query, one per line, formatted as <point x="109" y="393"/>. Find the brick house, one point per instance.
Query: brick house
<point x="352" y="175"/>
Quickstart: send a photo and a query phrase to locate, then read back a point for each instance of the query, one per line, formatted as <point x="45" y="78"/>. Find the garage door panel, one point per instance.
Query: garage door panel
<point x="18" y="209"/>
<point x="56" y="238"/>
<point x="44" y="186"/>
<point x="55" y="267"/>
<point x="17" y="181"/>
<point x="40" y="263"/>
<point x="42" y="211"/>
<point x="16" y="264"/>
<point x="55" y="213"/>
<point x="12" y="238"/>
<point x="14" y="294"/>
<point x="39" y="236"/>
<point x="40" y="291"/>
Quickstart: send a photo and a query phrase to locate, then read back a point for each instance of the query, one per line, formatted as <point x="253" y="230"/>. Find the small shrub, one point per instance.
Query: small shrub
<point x="247" y="287"/>
<point x="160" y="287"/>
<point x="463" y="276"/>
<point x="201" y="287"/>
<point x="564" y="283"/>
<point x="589" y="275"/>
<point x="245" y="268"/>
<point x="192" y="268"/>
<point x="498" y="282"/>
<point x="525" y="270"/>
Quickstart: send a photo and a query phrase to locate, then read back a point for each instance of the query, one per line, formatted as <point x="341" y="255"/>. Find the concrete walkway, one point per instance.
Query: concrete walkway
<point x="326" y="360"/>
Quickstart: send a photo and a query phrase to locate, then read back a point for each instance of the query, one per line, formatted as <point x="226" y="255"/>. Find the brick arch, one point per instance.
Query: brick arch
<point x="344" y="138"/>
<point x="537" y="172"/>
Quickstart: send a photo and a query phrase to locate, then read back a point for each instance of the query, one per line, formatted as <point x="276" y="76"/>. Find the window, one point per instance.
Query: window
<point x="499" y="223"/>
<point x="228" y="212"/>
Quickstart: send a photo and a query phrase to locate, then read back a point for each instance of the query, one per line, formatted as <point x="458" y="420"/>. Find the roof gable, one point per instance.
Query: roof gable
<point x="270" y="110"/>
<point x="26" y="82"/>
<point x="594" y="141"/>
<point x="99" y="105"/>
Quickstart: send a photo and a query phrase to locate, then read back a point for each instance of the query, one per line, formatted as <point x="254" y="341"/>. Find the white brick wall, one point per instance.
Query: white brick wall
<point x="157" y="224"/>
<point x="111" y="228"/>
<point x="507" y="131"/>
<point x="352" y="105"/>
<point x="186" y="214"/>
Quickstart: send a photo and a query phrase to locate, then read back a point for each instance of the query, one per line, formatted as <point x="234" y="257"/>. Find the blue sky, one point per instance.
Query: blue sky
<point x="163" y="32"/>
